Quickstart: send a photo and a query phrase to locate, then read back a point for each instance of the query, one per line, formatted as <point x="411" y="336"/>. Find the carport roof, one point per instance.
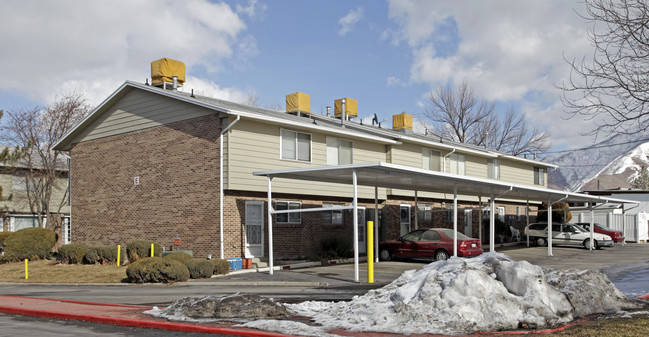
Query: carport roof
<point x="408" y="178"/>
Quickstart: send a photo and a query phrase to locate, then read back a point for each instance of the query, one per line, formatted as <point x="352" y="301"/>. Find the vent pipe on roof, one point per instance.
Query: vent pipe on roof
<point x="328" y="109"/>
<point x="174" y="82"/>
<point x="342" y="117"/>
<point x="486" y="142"/>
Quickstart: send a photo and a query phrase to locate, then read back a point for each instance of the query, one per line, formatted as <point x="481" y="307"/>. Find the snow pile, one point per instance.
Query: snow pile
<point x="487" y="293"/>
<point x="589" y="291"/>
<point x="229" y="306"/>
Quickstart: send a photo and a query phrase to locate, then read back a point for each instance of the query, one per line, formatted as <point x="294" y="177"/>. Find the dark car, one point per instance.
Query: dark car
<point x="432" y="243"/>
<point x="616" y="235"/>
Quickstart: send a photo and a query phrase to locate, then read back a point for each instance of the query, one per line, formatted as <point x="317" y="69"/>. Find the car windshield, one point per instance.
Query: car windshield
<point x="449" y="233"/>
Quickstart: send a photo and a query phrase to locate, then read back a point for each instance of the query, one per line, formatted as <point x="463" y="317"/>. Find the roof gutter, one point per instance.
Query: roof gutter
<point x="226" y="129"/>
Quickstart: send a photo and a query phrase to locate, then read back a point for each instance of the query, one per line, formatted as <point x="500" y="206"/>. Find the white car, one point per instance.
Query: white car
<point x="566" y="234"/>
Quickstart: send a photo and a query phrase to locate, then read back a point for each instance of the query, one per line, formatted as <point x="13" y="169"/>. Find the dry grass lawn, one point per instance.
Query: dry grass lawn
<point x="50" y="271"/>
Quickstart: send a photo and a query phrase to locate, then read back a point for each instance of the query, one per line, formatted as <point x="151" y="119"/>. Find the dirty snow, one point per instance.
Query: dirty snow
<point x="491" y="292"/>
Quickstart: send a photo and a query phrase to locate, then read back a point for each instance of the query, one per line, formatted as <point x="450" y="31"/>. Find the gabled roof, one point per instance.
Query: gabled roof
<point x="61" y="161"/>
<point x="317" y="122"/>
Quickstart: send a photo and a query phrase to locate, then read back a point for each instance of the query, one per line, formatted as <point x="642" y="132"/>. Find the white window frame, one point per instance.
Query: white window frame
<point x="425" y="212"/>
<point x="458" y="164"/>
<point x="288" y="216"/>
<point x="67" y="229"/>
<point x="500" y="211"/>
<point x="449" y="213"/>
<point x="12" y="221"/>
<point x="339" y="220"/>
<point x="333" y="150"/>
<point x="296" y="144"/>
<point x="427" y="162"/>
<point x="493" y="168"/>
<point x="539" y="176"/>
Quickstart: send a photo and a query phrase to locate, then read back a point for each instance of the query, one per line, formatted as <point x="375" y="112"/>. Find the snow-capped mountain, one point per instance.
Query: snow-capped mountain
<point x="610" y="164"/>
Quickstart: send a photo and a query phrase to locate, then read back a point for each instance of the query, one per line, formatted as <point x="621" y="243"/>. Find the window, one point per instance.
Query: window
<point x="332" y="217"/>
<point x="518" y="213"/>
<point x="501" y="213"/>
<point x="425" y="212"/>
<point x="67" y="230"/>
<point x="339" y="151"/>
<point x="288" y="218"/>
<point x="22" y="183"/>
<point x="17" y="223"/>
<point x="430" y="160"/>
<point x="539" y="176"/>
<point x="431" y="235"/>
<point x="296" y="145"/>
<point x="493" y="168"/>
<point x="458" y="164"/>
<point x="449" y="213"/>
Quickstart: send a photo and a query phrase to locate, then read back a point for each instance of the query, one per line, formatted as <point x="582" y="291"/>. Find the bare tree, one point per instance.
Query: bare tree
<point x="458" y="115"/>
<point x="36" y="131"/>
<point x="612" y="87"/>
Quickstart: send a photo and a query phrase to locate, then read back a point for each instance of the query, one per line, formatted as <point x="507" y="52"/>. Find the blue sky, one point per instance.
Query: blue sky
<point x="388" y="55"/>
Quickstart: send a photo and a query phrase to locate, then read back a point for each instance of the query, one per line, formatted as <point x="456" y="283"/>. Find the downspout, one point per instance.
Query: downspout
<point x="221" y="182"/>
<point x="444" y="159"/>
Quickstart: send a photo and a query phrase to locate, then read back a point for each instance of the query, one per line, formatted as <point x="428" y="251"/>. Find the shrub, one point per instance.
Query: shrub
<point x="157" y="269"/>
<point x="4" y="236"/>
<point x="139" y="249"/>
<point x="336" y="247"/>
<point x="180" y="256"/>
<point x="73" y="253"/>
<point x="29" y="243"/>
<point x="199" y="268"/>
<point x="107" y="254"/>
<point x="220" y="266"/>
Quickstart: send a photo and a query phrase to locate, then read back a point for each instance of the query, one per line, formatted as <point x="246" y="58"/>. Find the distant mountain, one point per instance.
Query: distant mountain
<point x="610" y="164"/>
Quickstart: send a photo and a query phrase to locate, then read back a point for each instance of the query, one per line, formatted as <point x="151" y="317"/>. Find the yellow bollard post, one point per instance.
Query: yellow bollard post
<point x="26" y="269"/>
<point x="151" y="250"/>
<point x="119" y="247"/>
<point x="370" y="252"/>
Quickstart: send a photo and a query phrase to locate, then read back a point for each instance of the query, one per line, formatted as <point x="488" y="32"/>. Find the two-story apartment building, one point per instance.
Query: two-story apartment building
<point x="159" y="164"/>
<point x="17" y="209"/>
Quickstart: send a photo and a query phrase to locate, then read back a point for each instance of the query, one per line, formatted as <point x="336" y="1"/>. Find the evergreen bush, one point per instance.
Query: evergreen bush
<point x="179" y="256"/>
<point x="156" y="270"/>
<point x="139" y="249"/>
<point x="199" y="268"/>
<point x="29" y="243"/>
<point x="73" y="253"/>
<point x="4" y="236"/>
<point x="107" y="254"/>
<point x="220" y="266"/>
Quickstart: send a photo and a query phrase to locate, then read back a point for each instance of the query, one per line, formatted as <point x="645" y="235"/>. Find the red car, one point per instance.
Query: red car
<point x="432" y="243"/>
<point x="617" y="236"/>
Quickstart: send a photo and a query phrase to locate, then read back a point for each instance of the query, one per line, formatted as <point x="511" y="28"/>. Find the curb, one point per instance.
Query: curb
<point x="129" y="322"/>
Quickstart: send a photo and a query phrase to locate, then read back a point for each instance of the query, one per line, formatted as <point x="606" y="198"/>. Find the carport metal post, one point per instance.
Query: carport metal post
<point x="527" y="221"/>
<point x="355" y="201"/>
<point x="623" y="225"/>
<point x="416" y="210"/>
<point x="455" y="220"/>
<point x="549" y="227"/>
<point x="592" y="225"/>
<point x="492" y="224"/>
<point x="376" y="223"/>
<point x="480" y="218"/>
<point x="270" y="228"/>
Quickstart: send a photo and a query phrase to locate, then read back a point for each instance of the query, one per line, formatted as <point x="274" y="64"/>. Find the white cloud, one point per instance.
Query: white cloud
<point x="506" y="50"/>
<point x="92" y="47"/>
<point x="348" y="21"/>
<point x="395" y="81"/>
<point x="210" y="89"/>
<point x="253" y="10"/>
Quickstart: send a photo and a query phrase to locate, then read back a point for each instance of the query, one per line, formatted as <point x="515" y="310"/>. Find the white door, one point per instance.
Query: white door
<point x="468" y="222"/>
<point x="404" y="215"/>
<point x="362" y="229"/>
<point x="254" y="229"/>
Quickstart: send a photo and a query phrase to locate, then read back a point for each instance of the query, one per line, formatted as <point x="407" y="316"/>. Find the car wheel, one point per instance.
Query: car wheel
<point x="596" y="245"/>
<point x="385" y="255"/>
<point x="587" y="244"/>
<point x="541" y="242"/>
<point x="441" y="255"/>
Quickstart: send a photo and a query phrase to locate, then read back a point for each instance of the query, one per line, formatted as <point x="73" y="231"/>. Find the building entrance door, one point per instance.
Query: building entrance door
<point x="254" y="229"/>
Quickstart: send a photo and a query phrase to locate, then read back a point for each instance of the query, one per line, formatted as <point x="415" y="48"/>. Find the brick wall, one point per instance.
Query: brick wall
<point x="177" y="165"/>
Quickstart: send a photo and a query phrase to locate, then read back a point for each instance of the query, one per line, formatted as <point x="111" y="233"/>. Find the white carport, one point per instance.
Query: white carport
<point x="387" y="175"/>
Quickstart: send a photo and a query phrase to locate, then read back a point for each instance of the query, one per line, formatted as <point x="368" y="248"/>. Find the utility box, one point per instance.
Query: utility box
<point x="164" y="69"/>
<point x="298" y="102"/>
<point x="351" y="107"/>
<point x="235" y="263"/>
<point x="402" y="121"/>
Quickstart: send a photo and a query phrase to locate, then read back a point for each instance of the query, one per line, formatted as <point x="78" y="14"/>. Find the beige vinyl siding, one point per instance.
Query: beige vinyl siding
<point x="139" y="110"/>
<point x="255" y="146"/>
<point x="518" y="173"/>
<point x="406" y="154"/>
<point x="476" y="166"/>
<point x="20" y="203"/>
